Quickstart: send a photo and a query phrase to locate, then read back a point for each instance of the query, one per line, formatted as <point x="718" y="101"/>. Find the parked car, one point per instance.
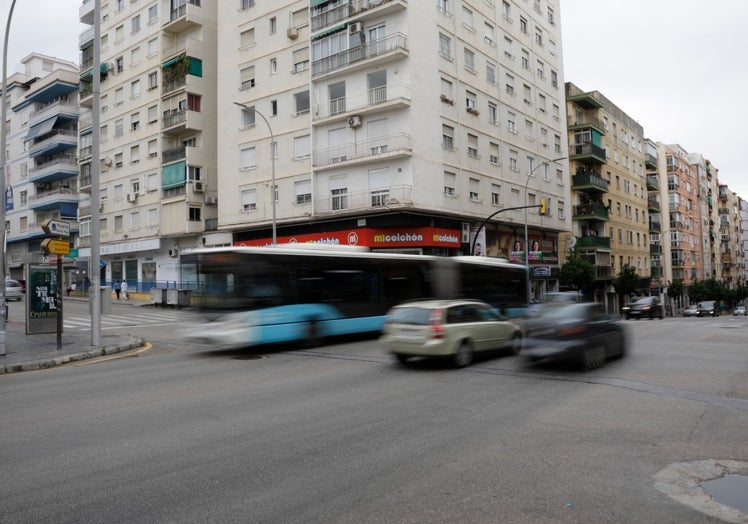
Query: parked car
<point x="740" y="310"/>
<point x="454" y="329"/>
<point x="645" y="307"/>
<point x="13" y="290"/>
<point x="581" y="332"/>
<point x="691" y="311"/>
<point x="708" y="308"/>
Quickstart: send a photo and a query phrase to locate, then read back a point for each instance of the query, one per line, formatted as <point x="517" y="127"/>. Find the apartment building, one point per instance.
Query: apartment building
<point x="730" y="236"/>
<point x="339" y="124"/>
<point x="743" y="246"/>
<point x="158" y="132"/>
<point x="609" y="189"/>
<point x="41" y="163"/>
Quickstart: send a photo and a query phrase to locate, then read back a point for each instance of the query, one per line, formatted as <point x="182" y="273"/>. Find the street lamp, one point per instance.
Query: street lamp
<point x="252" y="110"/>
<point x="527" y="182"/>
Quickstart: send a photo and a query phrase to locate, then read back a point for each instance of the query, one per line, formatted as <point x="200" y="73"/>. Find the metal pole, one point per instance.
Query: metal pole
<point x="3" y="169"/>
<point x="272" y="162"/>
<point x="94" y="271"/>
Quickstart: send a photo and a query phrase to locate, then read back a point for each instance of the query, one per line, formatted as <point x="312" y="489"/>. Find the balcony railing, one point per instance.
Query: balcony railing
<point x="351" y="8"/>
<point x="177" y="116"/>
<point x="653" y="205"/>
<point x="173" y="154"/>
<point x="653" y="182"/>
<point x="593" y="242"/>
<point x="590" y="212"/>
<point x="396" y="42"/>
<point x="400" y="142"/>
<point x="172" y="84"/>
<point x="586" y="121"/>
<point x="655" y="249"/>
<point x="180" y="11"/>
<point x="360" y="200"/>
<point x="583" y="181"/>
<point x="587" y="150"/>
<point x="372" y="97"/>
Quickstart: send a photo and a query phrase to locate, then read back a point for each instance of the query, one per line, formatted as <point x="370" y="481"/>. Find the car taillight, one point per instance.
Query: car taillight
<point x="437" y="328"/>
<point x="570" y="330"/>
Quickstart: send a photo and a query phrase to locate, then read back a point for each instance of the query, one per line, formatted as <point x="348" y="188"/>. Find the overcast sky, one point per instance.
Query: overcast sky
<point x="675" y="66"/>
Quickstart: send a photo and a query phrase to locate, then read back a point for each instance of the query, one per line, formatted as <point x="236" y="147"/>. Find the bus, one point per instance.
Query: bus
<point x="265" y="295"/>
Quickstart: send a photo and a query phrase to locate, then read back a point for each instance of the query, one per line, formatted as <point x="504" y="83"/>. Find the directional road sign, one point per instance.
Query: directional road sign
<point x="58" y="228"/>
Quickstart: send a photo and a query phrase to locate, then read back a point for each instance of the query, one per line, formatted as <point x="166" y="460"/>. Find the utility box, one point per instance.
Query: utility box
<point x="105" y="299"/>
<point x="178" y="297"/>
<point x="158" y="296"/>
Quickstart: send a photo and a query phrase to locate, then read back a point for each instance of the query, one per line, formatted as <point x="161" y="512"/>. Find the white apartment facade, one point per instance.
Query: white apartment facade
<point x="42" y="171"/>
<point x="391" y="138"/>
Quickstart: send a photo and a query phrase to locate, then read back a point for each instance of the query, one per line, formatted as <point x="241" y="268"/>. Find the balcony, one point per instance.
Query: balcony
<point x="653" y="182"/>
<point x="177" y="121"/>
<point x="368" y="55"/>
<point x="86" y="12"/>
<point x="358" y="201"/>
<point x="593" y="242"/>
<point x="591" y="212"/>
<point x="358" y="8"/>
<point x="655" y="249"/>
<point x="603" y="273"/>
<point x="56" y="141"/>
<point x="589" y="182"/>
<point x="58" y="168"/>
<point x="653" y="206"/>
<point x="656" y="272"/>
<point x="184" y="18"/>
<point x="722" y="193"/>
<point x="650" y="161"/>
<point x="55" y="199"/>
<point x="386" y="147"/>
<point x="375" y="100"/>
<point x="587" y="152"/>
<point x="585" y="122"/>
<point x="63" y="109"/>
<point x="655" y="225"/>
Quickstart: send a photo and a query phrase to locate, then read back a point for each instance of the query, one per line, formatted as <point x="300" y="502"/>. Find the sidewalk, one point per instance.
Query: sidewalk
<point x="31" y="352"/>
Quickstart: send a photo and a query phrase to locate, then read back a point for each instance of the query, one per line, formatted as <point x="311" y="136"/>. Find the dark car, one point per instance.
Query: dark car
<point x="645" y="307"/>
<point x="708" y="308"/>
<point x="580" y="332"/>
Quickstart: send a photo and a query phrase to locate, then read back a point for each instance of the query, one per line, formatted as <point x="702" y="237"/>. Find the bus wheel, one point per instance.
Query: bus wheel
<point x="464" y="355"/>
<point x="313" y="338"/>
<point x="515" y="346"/>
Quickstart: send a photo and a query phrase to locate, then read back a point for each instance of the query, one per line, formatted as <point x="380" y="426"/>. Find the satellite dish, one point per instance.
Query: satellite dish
<point x="571" y="242"/>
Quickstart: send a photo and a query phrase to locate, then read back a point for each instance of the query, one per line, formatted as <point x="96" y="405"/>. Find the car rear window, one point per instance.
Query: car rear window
<point x="410" y="315"/>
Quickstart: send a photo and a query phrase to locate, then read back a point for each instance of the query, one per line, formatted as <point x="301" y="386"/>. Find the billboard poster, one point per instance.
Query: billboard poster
<point x="478" y="242"/>
<point x="41" y="303"/>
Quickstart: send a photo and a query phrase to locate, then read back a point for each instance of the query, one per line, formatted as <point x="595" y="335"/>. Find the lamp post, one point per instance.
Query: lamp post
<point x="3" y="168"/>
<point x="272" y="161"/>
<point x="527" y="246"/>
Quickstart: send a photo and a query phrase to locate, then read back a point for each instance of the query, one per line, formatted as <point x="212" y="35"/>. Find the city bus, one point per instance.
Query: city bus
<point x="265" y="295"/>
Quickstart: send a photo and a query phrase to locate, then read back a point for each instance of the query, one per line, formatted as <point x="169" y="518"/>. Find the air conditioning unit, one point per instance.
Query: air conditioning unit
<point x="132" y="197"/>
<point x="354" y="121"/>
<point x="198" y="187"/>
<point x="174" y="253"/>
<point x="292" y="33"/>
<point x="465" y="234"/>
<point x="355" y="27"/>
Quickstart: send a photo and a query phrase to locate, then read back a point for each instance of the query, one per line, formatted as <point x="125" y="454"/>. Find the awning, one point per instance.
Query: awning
<point x="173" y="175"/>
<point x="315" y="3"/>
<point x="41" y="128"/>
<point x="172" y="61"/>
<point x="329" y="31"/>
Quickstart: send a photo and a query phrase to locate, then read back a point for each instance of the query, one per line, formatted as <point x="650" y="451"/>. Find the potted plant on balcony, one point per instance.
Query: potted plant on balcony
<point x="446" y="100"/>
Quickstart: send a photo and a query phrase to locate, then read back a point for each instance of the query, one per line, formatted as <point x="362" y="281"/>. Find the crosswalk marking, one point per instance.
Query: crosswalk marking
<point x="120" y="320"/>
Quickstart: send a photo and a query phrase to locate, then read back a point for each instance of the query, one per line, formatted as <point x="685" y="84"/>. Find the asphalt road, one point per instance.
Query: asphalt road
<point x="184" y="433"/>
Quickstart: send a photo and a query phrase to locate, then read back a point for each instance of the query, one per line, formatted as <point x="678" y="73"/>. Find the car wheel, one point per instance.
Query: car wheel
<point x="464" y="355"/>
<point x="515" y="346"/>
<point x="593" y="357"/>
<point x="401" y="358"/>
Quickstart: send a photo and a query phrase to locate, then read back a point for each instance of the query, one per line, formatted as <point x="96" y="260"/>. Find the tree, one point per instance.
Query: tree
<point x="675" y="291"/>
<point x="627" y="280"/>
<point x="577" y="272"/>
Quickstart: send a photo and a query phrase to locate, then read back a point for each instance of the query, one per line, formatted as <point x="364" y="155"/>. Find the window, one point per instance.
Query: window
<point x="135" y="89"/>
<point x="513" y="161"/>
<point x="152" y="80"/>
<point x="509" y="86"/>
<point x="273" y="25"/>
<point x="119" y="96"/>
<point x="301" y="101"/>
<point x="539" y="37"/>
<point x="510" y="123"/>
<point x="551" y="16"/>
<point x="135" y="24"/>
<point x="194" y="102"/>
<point x="152" y="47"/>
<point x="247" y="38"/>
<point x="506" y="10"/>
<point x="119" y="64"/>
<point x="153" y="14"/>
<point x="247" y="77"/>
<point x="493" y="113"/>
<point x="119" y="34"/>
<point x="247" y="4"/>
<point x="134" y="154"/>
<point x="194" y="214"/>
<point x="470" y="98"/>
<point x="445" y="46"/>
<point x="135" y="186"/>
<point x="560" y="210"/>
<point x="135" y="56"/>
<point x="153" y="148"/>
<point x="523" y="24"/>
<point x="442" y="6"/>
<point x="152" y="218"/>
<point x="474" y="185"/>
<point x="488" y="33"/>
<point x="24" y="197"/>
<point x="339" y="194"/>
<point x="472" y="150"/>
<point x="118" y="161"/>
<point x="493" y="153"/>
<point x="554" y="78"/>
<point x="495" y="194"/>
<point x="525" y="59"/>
<point x="491" y="72"/>
<point x="448" y="133"/>
<point x="301" y="60"/>
<point x="118" y="224"/>
<point x="302" y="147"/>
<point x="194" y="173"/>
<point x="379" y="186"/>
<point x="118" y="128"/>
<point x="446" y="89"/>
<point x="249" y="200"/>
<point x="303" y="191"/>
<point x="541" y="70"/>
<point x="273" y="66"/>
<point x="508" y="47"/>
<point x="134" y="221"/>
<point x="469" y="60"/>
<point x="248" y="158"/>
<point x="449" y="183"/>
<point x="274" y="107"/>
<point x="467" y="17"/>
<point x="135" y="121"/>
<point x="152" y="115"/>
<point x="248" y="117"/>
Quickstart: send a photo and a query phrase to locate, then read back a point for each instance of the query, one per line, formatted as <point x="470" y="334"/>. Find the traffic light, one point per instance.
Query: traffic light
<point x="543" y="206"/>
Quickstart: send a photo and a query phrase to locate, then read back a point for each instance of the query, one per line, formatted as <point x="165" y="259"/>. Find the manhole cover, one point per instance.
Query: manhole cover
<point x="731" y="490"/>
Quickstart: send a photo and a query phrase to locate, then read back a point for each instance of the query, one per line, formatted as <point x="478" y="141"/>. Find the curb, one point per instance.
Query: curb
<point x="46" y="363"/>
